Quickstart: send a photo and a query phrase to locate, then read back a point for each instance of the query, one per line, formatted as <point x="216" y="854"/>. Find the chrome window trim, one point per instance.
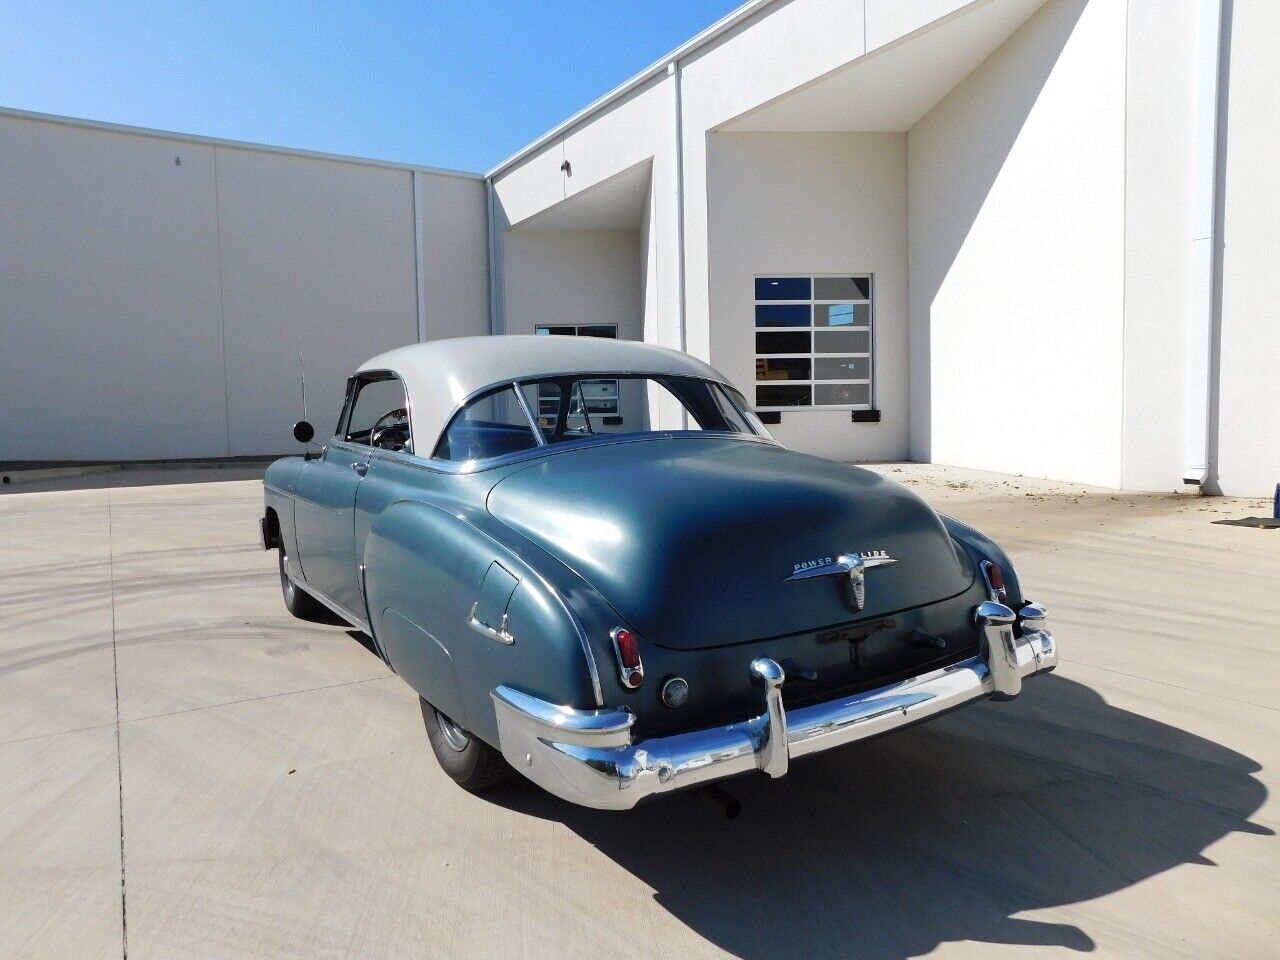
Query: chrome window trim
<point x="552" y="449"/>
<point x="518" y="385"/>
<point x="360" y="380"/>
<point x="605" y="374"/>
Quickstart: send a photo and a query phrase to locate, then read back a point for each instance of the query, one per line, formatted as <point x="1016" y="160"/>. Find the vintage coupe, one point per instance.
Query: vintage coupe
<point x="595" y="566"/>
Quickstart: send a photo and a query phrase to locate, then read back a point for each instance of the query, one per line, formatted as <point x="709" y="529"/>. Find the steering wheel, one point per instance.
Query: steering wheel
<point x="387" y="426"/>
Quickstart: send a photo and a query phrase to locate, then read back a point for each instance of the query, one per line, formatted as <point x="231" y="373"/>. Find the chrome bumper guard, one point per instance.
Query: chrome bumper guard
<point x="588" y="757"/>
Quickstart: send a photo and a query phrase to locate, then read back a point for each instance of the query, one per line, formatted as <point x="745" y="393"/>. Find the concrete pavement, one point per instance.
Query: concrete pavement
<point x="184" y="766"/>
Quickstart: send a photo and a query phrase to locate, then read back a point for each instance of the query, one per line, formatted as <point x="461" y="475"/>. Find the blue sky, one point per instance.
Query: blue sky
<point x="450" y="84"/>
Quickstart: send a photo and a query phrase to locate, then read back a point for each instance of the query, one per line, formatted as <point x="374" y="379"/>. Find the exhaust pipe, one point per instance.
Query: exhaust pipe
<point x="729" y="805"/>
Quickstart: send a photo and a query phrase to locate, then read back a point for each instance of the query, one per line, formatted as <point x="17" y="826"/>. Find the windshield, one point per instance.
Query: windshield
<point x="573" y="407"/>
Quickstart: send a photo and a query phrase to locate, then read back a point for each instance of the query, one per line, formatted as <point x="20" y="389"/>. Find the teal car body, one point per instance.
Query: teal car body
<point x="511" y="567"/>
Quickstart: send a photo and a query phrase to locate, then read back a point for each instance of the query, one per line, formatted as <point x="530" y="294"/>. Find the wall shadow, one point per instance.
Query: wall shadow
<point x="966" y="161"/>
<point x="940" y="833"/>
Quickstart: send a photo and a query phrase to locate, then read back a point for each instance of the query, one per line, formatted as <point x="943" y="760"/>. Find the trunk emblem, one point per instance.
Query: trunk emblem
<point x="850" y="567"/>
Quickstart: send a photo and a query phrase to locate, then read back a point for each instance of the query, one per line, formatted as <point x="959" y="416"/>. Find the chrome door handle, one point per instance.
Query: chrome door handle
<point x="360" y="467"/>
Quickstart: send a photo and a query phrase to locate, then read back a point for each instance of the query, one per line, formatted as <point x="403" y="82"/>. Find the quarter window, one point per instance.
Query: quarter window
<point x="489" y="426"/>
<point x="813" y="342"/>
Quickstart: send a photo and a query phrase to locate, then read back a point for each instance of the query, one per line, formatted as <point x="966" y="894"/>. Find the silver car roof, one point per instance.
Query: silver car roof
<point x="439" y="376"/>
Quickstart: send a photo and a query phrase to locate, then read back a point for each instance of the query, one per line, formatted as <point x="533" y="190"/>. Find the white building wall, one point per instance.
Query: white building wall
<point x="317" y="255"/>
<point x="636" y="130"/>
<point x="455" y="256"/>
<point x="765" y="57"/>
<point x="110" y="307"/>
<point x="1158" y="160"/>
<point x="1248" y="411"/>
<point x="152" y="309"/>
<point x="574" y="277"/>
<point x="1016" y="196"/>
<point x="788" y="203"/>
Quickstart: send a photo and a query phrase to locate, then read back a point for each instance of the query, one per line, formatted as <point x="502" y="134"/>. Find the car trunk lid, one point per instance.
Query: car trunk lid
<point x="694" y="540"/>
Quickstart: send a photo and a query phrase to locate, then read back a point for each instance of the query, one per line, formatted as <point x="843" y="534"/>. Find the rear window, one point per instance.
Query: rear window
<point x="564" y="409"/>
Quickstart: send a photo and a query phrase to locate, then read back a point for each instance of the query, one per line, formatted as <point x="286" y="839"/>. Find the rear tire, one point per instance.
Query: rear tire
<point x="470" y="762"/>
<point x="296" y="600"/>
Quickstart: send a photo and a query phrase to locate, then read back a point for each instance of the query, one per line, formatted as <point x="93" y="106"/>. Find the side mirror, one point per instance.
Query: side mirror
<point x="303" y="432"/>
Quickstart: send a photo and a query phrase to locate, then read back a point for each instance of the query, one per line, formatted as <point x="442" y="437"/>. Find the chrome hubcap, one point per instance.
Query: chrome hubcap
<point x="454" y="735"/>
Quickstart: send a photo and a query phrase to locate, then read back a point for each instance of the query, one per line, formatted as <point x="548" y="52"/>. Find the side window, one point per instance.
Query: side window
<point x="380" y="416"/>
<point x="489" y="426"/>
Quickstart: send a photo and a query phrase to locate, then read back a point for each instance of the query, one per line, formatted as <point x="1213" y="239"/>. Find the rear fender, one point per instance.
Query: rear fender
<point x="981" y="547"/>
<point x="424" y="572"/>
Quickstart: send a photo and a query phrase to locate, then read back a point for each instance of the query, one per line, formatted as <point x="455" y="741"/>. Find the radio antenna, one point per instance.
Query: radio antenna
<point x="302" y="378"/>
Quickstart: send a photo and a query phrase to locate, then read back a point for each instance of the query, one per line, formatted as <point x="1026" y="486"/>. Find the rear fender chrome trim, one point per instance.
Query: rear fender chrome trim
<point x="364" y="599"/>
<point x="500" y="634"/>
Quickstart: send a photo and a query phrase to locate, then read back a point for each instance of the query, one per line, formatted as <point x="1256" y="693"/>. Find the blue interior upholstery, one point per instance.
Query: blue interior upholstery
<point x="481" y="439"/>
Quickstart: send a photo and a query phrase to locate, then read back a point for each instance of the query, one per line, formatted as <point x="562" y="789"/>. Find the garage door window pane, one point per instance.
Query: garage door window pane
<point x="842" y="315"/>
<point x="783" y="288"/>
<point x="788" y="396"/>
<point x="842" y="368"/>
<point x="842" y="288"/>
<point x="783" y="315"/>
<point x="783" y="342"/>
<point x="780" y="368"/>
<point x="841" y="394"/>
<point x="845" y="341"/>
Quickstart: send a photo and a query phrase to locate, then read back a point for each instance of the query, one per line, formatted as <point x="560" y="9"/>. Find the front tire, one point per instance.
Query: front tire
<point x="470" y="762"/>
<point x="297" y="601"/>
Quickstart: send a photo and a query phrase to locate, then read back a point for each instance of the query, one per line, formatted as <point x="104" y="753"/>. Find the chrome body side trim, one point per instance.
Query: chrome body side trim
<point x="589" y="757"/>
<point x="593" y="671"/>
<point x="325" y="599"/>
<point x="361" y="570"/>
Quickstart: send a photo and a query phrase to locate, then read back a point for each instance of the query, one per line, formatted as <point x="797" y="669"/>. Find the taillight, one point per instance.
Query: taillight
<point x="995" y="580"/>
<point x="627" y="649"/>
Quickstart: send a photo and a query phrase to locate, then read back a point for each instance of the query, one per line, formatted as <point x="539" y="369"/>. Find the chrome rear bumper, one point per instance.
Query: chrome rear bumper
<point x="588" y="757"/>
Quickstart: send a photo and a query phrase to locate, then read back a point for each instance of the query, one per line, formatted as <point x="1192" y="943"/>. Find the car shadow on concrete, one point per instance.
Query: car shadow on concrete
<point x="943" y="832"/>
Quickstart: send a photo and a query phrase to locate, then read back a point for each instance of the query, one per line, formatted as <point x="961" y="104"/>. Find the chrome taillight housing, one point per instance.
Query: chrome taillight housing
<point x="626" y="647"/>
<point x="994" y="577"/>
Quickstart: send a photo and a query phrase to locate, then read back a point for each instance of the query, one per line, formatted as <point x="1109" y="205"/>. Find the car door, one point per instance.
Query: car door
<point x="324" y="515"/>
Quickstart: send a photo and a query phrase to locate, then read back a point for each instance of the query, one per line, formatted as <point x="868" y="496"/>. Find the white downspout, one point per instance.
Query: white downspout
<point x="1204" y="213"/>
<point x="495" y="271"/>
<point x="677" y="141"/>
<point x="419" y="256"/>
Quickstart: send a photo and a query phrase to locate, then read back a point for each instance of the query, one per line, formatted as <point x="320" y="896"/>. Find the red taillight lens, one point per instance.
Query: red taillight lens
<point x="995" y="577"/>
<point x="627" y="648"/>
